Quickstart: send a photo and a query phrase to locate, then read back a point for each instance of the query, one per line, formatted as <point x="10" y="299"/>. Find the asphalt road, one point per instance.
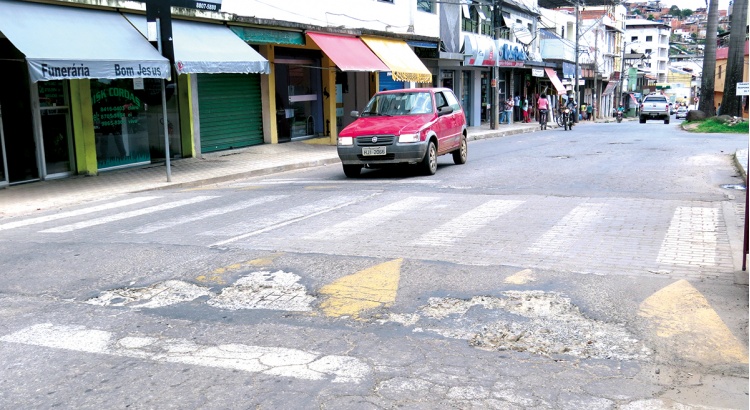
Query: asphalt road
<point x="595" y="268"/>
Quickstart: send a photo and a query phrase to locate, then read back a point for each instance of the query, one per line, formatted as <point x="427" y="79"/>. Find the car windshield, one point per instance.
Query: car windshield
<point x="399" y="104"/>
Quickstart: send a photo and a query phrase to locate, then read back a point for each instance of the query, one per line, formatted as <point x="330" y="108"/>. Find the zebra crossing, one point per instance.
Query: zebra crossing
<point x="607" y="235"/>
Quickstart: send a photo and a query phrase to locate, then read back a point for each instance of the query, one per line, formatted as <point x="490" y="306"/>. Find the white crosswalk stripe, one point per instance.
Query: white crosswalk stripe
<point x="370" y="219"/>
<point x="469" y="222"/>
<point x="197" y="216"/>
<point x="77" y="212"/>
<point x="558" y="240"/>
<point x="285" y="217"/>
<point x="126" y="215"/>
<point x="691" y="238"/>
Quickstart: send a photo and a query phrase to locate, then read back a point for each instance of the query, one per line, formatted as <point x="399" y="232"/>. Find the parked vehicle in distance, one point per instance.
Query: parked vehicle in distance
<point x="410" y="126"/>
<point x="681" y="112"/>
<point x="654" y="107"/>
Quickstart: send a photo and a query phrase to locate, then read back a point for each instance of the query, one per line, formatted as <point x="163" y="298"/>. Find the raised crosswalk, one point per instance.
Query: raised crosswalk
<point x="681" y="238"/>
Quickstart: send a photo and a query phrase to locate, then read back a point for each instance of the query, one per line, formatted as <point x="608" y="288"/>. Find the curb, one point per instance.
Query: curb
<point x="740" y="161"/>
<point x="246" y="174"/>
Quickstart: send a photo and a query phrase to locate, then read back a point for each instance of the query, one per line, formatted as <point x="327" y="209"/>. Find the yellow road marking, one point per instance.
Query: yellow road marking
<point x="216" y="276"/>
<point x="682" y="316"/>
<point x="367" y="289"/>
<point x="520" y="278"/>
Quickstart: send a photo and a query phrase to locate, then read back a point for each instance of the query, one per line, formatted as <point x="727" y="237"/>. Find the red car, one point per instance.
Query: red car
<point x="412" y="126"/>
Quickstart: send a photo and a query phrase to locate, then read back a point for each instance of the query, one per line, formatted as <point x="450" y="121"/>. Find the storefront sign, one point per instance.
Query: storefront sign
<point x="264" y="36"/>
<point x="479" y="50"/>
<point x="743" y="88"/>
<point x="211" y="5"/>
<point x="41" y="70"/>
<point x="537" y="72"/>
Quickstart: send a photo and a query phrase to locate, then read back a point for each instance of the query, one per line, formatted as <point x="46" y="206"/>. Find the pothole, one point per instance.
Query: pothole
<point x="258" y="290"/>
<point x="536" y="322"/>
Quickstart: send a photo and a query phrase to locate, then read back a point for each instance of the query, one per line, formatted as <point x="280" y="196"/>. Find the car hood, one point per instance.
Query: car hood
<point x="396" y="125"/>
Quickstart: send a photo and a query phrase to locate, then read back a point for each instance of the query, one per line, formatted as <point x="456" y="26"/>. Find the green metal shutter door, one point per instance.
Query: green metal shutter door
<point x="230" y="111"/>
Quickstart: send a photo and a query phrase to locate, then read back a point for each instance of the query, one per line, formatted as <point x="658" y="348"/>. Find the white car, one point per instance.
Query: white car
<point x="681" y="113"/>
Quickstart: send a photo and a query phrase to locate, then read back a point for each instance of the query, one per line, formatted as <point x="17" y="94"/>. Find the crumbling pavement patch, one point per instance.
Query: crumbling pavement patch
<point x="536" y="322"/>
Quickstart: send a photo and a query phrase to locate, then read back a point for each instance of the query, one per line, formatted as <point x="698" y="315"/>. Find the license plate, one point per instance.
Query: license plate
<point x="372" y="151"/>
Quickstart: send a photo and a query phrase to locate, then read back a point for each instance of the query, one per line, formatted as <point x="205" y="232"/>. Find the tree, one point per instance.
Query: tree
<point x="735" y="59"/>
<point x="706" y="103"/>
<point x="675" y="11"/>
<point x="687" y="12"/>
<point x="650" y="17"/>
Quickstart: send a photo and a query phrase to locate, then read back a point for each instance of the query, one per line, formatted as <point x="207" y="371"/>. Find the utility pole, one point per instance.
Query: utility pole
<point x="577" y="94"/>
<point x="595" y="96"/>
<point x="495" y="81"/>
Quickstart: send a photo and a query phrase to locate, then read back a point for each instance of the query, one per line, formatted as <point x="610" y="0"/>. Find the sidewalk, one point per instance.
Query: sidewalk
<point x="211" y="168"/>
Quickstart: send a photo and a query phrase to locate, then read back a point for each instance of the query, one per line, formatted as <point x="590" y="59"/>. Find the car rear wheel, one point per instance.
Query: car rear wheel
<point x="352" y="171"/>
<point x="666" y="120"/>
<point x="459" y="155"/>
<point x="429" y="162"/>
<point x="642" y="120"/>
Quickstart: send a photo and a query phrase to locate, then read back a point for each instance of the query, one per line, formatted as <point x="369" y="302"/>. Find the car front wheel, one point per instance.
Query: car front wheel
<point x="429" y="162"/>
<point x="352" y="171"/>
<point x="459" y="155"/>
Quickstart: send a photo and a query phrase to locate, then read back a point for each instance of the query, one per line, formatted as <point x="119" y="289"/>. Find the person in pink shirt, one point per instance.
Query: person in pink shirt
<point x="543" y="105"/>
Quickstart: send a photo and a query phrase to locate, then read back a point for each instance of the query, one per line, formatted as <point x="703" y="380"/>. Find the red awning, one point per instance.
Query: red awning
<point x="349" y="53"/>
<point x="610" y="88"/>
<point x="555" y="81"/>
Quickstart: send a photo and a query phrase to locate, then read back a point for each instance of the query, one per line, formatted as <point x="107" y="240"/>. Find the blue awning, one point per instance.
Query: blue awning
<point x="206" y="48"/>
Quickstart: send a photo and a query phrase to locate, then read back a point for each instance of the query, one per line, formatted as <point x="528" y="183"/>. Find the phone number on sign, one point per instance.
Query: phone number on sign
<point x="206" y="6"/>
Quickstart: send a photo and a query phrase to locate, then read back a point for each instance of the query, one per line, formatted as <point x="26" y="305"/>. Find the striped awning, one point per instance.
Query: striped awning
<point x="400" y="59"/>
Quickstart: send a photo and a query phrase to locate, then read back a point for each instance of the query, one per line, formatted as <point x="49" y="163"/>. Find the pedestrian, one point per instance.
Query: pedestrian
<point x="718" y="110"/>
<point x="583" y="112"/>
<point x="509" y="110"/>
<point x="501" y="102"/>
<point x="589" y="111"/>
<point x="517" y="108"/>
<point x="525" y="110"/>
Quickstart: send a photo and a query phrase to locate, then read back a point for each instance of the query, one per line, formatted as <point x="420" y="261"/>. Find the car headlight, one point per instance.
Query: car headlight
<point x="346" y="141"/>
<point x="408" y="137"/>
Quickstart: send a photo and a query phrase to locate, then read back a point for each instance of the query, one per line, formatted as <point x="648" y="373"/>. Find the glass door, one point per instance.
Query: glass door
<point x="3" y="164"/>
<point x="56" y="134"/>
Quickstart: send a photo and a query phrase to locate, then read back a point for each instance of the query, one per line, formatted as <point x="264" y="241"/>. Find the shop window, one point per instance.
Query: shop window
<point x="129" y="123"/>
<point x="649" y="38"/>
<point x="634" y="38"/>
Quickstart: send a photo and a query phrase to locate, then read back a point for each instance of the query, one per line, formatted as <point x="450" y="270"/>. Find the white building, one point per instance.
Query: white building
<point x="652" y="39"/>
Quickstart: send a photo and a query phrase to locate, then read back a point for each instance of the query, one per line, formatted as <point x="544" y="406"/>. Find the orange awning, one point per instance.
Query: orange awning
<point x="555" y="81"/>
<point x="349" y="53"/>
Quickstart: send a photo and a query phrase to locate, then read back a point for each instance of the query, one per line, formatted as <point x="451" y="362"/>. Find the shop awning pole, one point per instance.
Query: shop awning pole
<point x="165" y="120"/>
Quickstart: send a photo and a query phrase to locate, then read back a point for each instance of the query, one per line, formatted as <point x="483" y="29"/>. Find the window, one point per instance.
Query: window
<point x="634" y="38"/>
<point x="425" y="5"/>
<point x="386" y="1"/>
<point x="649" y="38"/>
<point x="719" y="71"/>
<point x="647" y="52"/>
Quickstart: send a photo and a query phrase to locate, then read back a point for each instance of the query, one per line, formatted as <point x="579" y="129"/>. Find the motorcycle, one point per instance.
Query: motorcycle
<point x="618" y="116"/>
<point x="567" y="119"/>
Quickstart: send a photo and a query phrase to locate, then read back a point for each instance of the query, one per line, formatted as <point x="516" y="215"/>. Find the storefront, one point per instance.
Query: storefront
<point x="74" y="86"/>
<point x="480" y="56"/>
<point x="221" y="75"/>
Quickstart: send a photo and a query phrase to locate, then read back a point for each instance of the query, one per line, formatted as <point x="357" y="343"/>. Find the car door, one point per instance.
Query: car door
<point x="450" y="121"/>
<point x="458" y="119"/>
<point x="444" y="123"/>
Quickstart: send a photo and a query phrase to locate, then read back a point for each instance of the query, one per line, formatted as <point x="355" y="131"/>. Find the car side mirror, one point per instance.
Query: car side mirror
<point x="354" y="114"/>
<point x="445" y="110"/>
